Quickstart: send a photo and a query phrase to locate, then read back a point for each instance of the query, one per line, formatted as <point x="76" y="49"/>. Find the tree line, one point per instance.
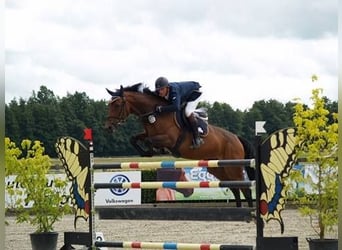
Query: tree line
<point x="45" y="117"/>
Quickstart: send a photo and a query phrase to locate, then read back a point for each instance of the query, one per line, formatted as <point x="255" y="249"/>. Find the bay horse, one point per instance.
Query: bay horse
<point x="162" y="131"/>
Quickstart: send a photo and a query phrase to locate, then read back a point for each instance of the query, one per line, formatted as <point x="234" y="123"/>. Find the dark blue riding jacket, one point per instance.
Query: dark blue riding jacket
<point x="181" y="92"/>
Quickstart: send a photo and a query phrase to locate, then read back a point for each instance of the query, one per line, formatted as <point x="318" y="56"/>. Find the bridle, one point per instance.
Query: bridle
<point x="118" y="120"/>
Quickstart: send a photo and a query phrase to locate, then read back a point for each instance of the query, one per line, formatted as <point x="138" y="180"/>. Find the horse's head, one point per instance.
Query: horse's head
<point x="117" y="110"/>
<point x="128" y="100"/>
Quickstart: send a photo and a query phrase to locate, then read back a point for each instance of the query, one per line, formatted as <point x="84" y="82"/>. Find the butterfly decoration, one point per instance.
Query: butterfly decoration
<point x="75" y="160"/>
<point x="278" y="155"/>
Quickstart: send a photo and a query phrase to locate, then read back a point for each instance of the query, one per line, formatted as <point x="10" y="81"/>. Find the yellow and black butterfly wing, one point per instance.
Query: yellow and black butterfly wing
<point x="278" y="155"/>
<point x="76" y="162"/>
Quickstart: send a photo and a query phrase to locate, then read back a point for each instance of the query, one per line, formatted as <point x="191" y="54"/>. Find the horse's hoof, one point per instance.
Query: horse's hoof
<point x="188" y="193"/>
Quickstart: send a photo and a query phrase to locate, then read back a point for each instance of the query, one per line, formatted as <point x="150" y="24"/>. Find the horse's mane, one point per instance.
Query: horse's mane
<point x="137" y="88"/>
<point x="147" y="91"/>
<point x="153" y="94"/>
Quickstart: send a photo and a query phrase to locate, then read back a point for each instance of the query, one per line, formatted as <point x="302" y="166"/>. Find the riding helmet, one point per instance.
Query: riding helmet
<point x="161" y="82"/>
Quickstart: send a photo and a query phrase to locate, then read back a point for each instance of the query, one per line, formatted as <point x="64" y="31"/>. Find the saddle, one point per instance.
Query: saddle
<point x="201" y="115"/>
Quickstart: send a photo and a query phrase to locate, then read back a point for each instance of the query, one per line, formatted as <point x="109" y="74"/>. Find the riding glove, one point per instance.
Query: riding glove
<point x="159" y="109"/>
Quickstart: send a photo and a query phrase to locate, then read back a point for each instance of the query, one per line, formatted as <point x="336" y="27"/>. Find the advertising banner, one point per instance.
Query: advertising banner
<point x="103" y="197"/>
<point x="190" y="174"/>
<point x="117" y="196"/>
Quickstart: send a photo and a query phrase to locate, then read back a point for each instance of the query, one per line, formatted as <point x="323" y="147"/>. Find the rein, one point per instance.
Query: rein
<point x="122" y="114"/>
<point x="137" y="111"/>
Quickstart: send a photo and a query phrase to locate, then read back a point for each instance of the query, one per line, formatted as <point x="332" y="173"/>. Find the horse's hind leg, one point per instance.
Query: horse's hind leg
<point x="247" y="192"/>
<point x="236" y="193"/>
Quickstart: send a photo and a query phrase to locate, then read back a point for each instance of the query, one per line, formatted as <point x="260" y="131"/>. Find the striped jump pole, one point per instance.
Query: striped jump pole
<point x="263" y="150"/>
<point x="154" y="185"/>
<point x="175" y="164"/>
<point x="169" y="245"/>
<point x="175" y="184"/>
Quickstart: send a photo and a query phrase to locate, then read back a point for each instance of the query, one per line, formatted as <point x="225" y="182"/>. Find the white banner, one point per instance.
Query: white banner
<point x="10" y="182"/>
<point x="117" y="196"/>
<point x="103" y="197"/>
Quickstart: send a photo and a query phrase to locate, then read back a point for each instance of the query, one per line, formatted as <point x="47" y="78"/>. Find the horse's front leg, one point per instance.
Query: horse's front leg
<point x="160" y="144"/>
<point x="160" y="141"/>
<point x="156" y="144"/>
<point x="136" y="142"/>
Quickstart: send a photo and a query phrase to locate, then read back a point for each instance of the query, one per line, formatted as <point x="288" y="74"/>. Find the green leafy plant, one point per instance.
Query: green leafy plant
<point x="317" y="133"/>
<point x="31" y="166"/>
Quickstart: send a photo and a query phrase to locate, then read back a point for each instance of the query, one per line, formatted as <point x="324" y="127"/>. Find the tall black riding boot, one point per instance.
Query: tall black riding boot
<point x="197" y="140"/>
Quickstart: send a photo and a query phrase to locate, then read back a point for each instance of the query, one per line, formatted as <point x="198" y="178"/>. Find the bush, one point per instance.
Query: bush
<point x="31" y="166"/>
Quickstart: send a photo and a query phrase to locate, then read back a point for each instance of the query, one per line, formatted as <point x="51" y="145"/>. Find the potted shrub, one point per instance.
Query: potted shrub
<point x="317" y="134"/>
<point x="37" y="202"/>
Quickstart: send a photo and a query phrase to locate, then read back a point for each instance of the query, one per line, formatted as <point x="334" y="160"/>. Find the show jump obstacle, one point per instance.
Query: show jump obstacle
<point x="274" y="159"/>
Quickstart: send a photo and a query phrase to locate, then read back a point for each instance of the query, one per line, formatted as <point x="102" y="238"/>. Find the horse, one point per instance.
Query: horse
<point x="162" y="131"/>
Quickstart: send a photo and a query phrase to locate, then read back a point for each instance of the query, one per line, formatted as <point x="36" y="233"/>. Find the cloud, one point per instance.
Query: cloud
<point x="239" y="51"/>
<point x="109" y="24"/>
<point x="304" y="19"/>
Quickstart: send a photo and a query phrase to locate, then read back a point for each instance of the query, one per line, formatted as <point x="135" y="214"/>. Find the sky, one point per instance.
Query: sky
<point x="239" y="51"/>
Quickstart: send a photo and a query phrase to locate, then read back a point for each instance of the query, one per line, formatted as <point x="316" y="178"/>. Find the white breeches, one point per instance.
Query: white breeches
<point x="190" y="107"/>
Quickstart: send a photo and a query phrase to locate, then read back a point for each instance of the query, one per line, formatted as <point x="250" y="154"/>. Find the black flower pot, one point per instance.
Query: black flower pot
<point x="322" y="244"/>
<point x="44" y="241"/>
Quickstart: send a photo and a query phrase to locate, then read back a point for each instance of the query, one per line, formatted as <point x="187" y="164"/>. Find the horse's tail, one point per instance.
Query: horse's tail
<point x="249" y="154"/>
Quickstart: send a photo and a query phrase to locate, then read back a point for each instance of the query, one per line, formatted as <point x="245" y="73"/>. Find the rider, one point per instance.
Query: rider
<point x="178" y="93"/>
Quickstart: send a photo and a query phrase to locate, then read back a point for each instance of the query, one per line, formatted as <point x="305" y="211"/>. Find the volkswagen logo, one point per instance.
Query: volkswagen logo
<point x="120" y="178"/>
